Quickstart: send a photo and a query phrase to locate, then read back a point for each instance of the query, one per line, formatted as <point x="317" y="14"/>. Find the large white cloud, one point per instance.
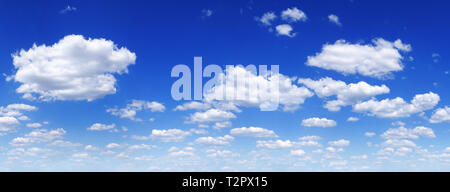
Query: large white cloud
<point x="74" y="68"/>
<point x="441" y="115"/>
<point x="346" y="94"/>
<point x="253" y="132"/>
<point x="392" y="108"/>
<point x="290" y="95"/>
<point x="378" y="60"/>
<point x="318" y="122"/>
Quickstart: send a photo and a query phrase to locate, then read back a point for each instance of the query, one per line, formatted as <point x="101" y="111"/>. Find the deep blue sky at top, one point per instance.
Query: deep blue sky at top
<point x="166" y="33"/>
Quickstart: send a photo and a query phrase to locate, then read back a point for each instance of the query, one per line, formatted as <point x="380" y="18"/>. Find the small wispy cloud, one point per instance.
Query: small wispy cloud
<point x="207" y="13"/>
<point x="68" y="9"/>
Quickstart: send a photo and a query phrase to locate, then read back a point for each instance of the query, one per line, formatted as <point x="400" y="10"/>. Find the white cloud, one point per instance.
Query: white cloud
<point x="297" y="152"/>
<point x="275" y="144"/>
<point x="8" y="124"/>
<point x="169" y="135"/>
<point x="346" y="94"/>
<point x="187" y="151"/>
<point x="369" y="134"/>
<point x="353" y="119"/>
<point x="334" y="19"/>
<point x="378" y="60"/>
<point x="112" y="146"/>
<point x="194" y="105"/>
<point x="37" y="136"/>
<point x="16" y="110"/>
<point x="252" y="132"/>
<point x="310" y="138"/>
<point x="285" y="29"/>
<point x="34" y="125"/>
<point x="75" y="68"/>
<point x="215" y="141"/>
<point x="267" y="18"/>
<point x="103" y="127"/>
<point x="339" y="143"/>
<point x="212" y="115"/>
<point x="361" y="157"/>
<point x="404" y="133"/>
<point x="393" y="108"/>
<point x="62" y="143"/>
<point x="318" y="122"/>
<point x="132" y="108"/>
<point x="220" y="125"/>
<point x="398" y="123"/>
<point x="289" y="95"/>
<point x="293" y="15"/>
<point x="440" y="115"/>
<point x="90" y="148"/>
<point x="221" y="153"/>
<point x="141" y="146"/>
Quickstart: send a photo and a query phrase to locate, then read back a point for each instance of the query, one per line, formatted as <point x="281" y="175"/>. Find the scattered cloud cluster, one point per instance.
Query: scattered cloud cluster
<point x="289" y="15"/>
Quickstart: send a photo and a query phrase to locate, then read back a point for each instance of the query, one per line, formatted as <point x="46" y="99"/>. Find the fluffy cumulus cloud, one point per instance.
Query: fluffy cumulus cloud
<point x="376" y="60"/>
<point x="285" y="29"/>
<point x="441" y="115"/>
<point x="75" y="68"/>
<point x="346" y="94"/>
<point x="132" y="108"/>
<point x="212" y="115"/>
<point x="258" y="91"/>
<point x="215" y="141"/>
<point x="267" y="18"/>
<point x="318" y="122"/>
<point x="293" y="15"/>
<point x="393" y="108"/>
<point x="169" y="135"/>
<point x="252" y="132"/>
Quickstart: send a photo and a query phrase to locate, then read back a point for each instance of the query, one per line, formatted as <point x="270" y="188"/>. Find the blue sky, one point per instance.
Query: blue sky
<point x="68" y="105"/>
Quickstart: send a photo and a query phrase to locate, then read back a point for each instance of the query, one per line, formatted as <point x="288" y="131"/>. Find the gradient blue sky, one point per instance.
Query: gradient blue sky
<point x="163" y="34"/>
